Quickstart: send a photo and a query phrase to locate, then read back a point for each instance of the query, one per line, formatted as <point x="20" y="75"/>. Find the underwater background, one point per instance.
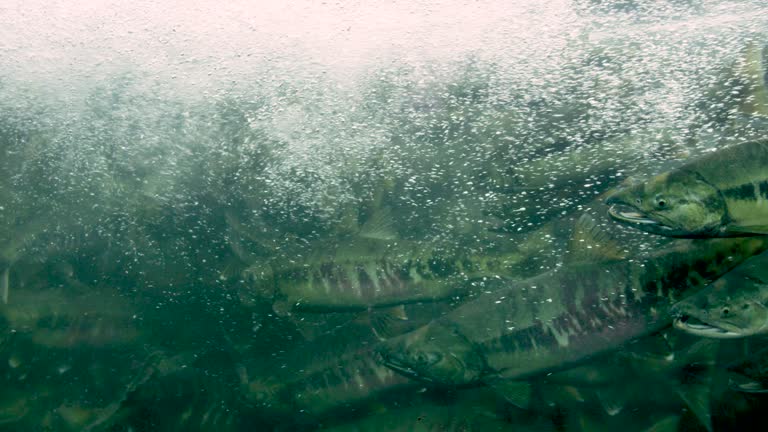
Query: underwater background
<point x="213" y="215"/>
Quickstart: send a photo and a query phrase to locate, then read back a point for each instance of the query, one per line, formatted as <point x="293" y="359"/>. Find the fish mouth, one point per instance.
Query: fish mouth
<point x="401" y="369"/>
<point x="697" y="327"/>
<point x="627" y="214"/>
<point x="396" y="363"/>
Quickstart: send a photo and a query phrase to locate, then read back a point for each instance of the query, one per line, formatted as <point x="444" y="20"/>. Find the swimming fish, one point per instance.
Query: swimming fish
<point x="734" y="306"/>
<point x="750" y="375"/>
<point x="59" y="318"/>
<point x="675" y="366"/>
<point x="344" y="282"/>
<point x="339" y="383"/>
<point x="721" y="194"/>
<point x="559" y="319"/>
<point x="185" y="392"/>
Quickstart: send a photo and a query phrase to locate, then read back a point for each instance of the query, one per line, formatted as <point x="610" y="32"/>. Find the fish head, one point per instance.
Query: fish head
<point x="734" y="306"/>
<point x="675" y="204"/>
<point x="435" y="354"/>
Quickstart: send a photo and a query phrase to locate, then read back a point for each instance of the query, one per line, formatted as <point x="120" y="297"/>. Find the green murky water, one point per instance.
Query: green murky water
<point x="225" y="217"/>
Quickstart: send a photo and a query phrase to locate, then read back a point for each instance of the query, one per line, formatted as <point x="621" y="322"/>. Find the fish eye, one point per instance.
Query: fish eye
<point x="726" y="311"/>
<point x="638" y="201"/>
<point x="661" y="203"/>
<point x="426" y="359"/>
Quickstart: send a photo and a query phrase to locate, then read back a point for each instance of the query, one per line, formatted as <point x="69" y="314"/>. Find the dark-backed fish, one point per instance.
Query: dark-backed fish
<point x="336" y="372"/>
<point x="721" y="194"/>
<point x="734" y="306"/>
<point x="58" y="319"/>
<point x="675" y="366"/>
<point x="191" y="391"/>
<point x="558" y="319"/>
<point x="338" y="383"/>
<point x="346" y="283"/>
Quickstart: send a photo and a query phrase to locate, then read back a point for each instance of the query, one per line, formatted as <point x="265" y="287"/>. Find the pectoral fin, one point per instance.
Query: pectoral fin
<point x="384" y="322"/>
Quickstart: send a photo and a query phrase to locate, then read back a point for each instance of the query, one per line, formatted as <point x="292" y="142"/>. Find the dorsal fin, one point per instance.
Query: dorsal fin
<point x="379" y="226"/>
<point x="234" y="223"/>
<point x="589" y="243"/>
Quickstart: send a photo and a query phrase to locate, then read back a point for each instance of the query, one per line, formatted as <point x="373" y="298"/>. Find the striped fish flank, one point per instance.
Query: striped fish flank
<point x="734" y="306"/>
<point x="561" y="318"/>
<point x="341" y="383"/>
<point x="335" y="285"/>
